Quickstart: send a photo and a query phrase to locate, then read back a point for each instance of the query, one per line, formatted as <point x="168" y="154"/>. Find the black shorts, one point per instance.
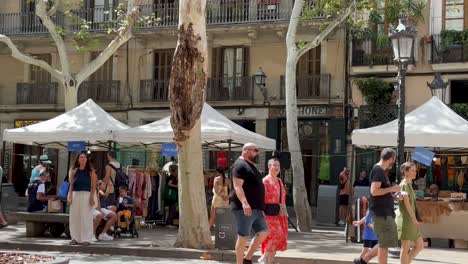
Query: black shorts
<point x="370" y="243"/>
<point x="344" y="199"/>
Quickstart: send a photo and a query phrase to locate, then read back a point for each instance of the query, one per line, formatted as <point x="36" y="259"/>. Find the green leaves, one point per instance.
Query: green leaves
<point x="375" y="90"/>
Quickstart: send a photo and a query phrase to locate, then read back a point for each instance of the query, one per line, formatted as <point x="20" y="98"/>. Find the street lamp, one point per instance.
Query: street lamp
<point x="438" y="87"/>
<point x="402" y="41"/>
<point x="260" y="80"/>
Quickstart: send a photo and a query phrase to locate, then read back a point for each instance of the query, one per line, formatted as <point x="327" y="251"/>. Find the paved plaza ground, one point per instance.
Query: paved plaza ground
<point x="320" y="246"/>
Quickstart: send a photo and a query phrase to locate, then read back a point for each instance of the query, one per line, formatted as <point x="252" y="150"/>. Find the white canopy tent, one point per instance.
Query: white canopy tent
<point x="216" y="129"/>
<point x="86" y="122"/>
<point x="432" y="125"/>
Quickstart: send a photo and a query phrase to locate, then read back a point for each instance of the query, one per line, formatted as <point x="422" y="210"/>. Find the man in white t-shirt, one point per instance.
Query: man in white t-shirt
<point x="37" y="198"/>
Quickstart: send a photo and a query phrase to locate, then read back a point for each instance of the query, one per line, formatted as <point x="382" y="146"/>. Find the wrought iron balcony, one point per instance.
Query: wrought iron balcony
<point x="374" y="115"/>
<point x="36" y="93"/>
<point x="310" y="87"/>
<point x="154" y="90"/>
<point x="366" y="52"/>
<point x="218" y="12"/>
<point x="100" y="91"/>
<point x="447" y="48"/>
<point x="230" y="89"/>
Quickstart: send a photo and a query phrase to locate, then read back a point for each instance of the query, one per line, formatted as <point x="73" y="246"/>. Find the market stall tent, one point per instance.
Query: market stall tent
<point x="216" y="129"/>
<point x="86" y="122"/>
<point x="432" y="125"/>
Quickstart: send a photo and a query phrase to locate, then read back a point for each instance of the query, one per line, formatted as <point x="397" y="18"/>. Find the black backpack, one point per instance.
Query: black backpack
<point x="34" y="204"/>
<point x="121" y="178"/>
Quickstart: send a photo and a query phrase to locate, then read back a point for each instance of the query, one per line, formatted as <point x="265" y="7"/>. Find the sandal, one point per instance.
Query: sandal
<point x="73" y="242"/>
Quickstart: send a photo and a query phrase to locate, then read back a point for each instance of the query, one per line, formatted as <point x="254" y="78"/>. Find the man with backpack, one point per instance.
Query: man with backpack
<point x="114" y="178"/>
<point x="37" y="199"/>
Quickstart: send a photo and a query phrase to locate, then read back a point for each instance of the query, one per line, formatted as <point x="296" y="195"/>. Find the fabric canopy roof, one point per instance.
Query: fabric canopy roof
<point x="433" y="124"/>
<point x="86" y="122"/>
<point x="215" y="129"/>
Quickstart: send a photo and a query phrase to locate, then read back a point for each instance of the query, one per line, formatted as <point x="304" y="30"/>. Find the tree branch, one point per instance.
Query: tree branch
<point x="124" y="33"/>
<point x="41" y="11"/>
<point x="15" y="53"/>
<point x="326" y="31"/>
<point x="53" y="10"/>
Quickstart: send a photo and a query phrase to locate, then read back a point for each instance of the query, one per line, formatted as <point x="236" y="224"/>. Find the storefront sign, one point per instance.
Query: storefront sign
<point x="423" y="156"/>
<point x="169" y="149"/>
<point x="23" y="123"/>
<point x="76" y="146"/>
<point x="305" y="111"/>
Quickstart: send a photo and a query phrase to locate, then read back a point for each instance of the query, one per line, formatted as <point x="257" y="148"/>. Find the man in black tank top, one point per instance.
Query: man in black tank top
<point x="248" y="203"/>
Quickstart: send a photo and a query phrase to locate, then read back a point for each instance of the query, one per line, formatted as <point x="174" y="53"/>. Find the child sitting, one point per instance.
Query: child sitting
<point x="369" y="250"/>
<point x="125" y="208"/>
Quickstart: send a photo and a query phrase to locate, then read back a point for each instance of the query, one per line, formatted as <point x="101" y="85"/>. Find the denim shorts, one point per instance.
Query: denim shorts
<point x="247" y="224"/>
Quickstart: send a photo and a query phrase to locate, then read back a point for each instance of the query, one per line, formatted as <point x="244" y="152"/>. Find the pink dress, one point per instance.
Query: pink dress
<point x="277" y="239"/>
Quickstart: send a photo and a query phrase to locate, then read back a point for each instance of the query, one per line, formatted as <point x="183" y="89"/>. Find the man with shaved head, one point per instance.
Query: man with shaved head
<point x="248" y="203"/>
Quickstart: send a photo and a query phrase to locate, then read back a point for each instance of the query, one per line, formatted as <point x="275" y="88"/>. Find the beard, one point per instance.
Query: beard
<point x="254" y="159"/>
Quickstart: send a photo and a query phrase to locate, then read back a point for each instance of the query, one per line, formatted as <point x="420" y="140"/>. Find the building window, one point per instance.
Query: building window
<point x="163" y="64"/>
<point x="459" y="91"/>
<point x="454" y="12"/>
<point x="309" y="63"/>
<point x="39" y="75"/>
<point x="104" y="73"/>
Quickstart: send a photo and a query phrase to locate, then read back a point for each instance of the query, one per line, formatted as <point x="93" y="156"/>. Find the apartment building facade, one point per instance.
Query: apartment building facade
<point x="440" y="47"/>
<point x="243" y="35"/>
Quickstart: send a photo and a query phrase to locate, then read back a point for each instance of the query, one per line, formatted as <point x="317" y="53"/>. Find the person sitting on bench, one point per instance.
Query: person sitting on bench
<point x="37" y="199"/>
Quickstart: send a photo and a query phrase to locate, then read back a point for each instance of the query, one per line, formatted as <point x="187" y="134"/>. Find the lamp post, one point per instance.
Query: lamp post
<point x="402" y="41"/>
<point x="438" y="87"/>
<point x="260" y="81"/>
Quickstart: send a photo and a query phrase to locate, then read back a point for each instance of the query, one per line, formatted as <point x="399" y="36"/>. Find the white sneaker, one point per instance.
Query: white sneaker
<point x="105" y="237"/>
<point x="94" y="239"/>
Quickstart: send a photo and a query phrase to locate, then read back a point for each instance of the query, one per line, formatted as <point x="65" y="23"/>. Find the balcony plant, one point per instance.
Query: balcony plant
<point x="375" y="91"/>
<point x="461" y="109"/>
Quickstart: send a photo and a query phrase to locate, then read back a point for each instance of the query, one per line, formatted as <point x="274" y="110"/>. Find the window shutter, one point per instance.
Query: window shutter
<point x="217" y="63"/>
<point x="246" y="61"/>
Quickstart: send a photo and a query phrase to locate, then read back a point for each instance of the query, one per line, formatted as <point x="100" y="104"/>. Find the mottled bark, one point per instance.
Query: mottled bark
<point x="186" y="95"/>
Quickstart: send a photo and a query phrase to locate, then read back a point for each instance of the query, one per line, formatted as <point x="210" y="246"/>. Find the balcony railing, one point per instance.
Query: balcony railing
<point x="36" y="93"/>
<point x="230" y="89"/>
<point x="366" y="52"/>
<point x="310" y="87"/>
<point x="100" y="91"/>
<point x="374" y="115"/>
<point x="154" y="90"/>
<point x="446" y="50"/>
<point x="218" y="12"/>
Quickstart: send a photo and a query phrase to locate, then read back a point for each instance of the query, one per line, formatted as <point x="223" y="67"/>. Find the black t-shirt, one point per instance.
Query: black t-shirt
<point x="253" y="186"/>
<point x="364" y="182"/>
<point x="174" y="181"/>
<point x="381" y="205"/>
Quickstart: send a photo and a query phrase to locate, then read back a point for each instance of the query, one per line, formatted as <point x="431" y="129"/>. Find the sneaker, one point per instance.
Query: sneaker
<point x="105" y="237"/>
<point x="94" y="239"/>
<point x="118" y="230"/>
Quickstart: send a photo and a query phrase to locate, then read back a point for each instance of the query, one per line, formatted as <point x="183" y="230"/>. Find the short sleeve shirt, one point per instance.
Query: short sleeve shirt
<point x="381" y="205"/>
<point x="253" y="187"/>
<point x="126" y="200"/>
<point x="368" y="232"/>
<point x="41" y="188"/>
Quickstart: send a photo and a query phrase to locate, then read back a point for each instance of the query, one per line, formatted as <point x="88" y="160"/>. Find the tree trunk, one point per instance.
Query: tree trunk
<point x="301" y="203"/>
<point x="70" y="93"/>
<point x="186" y="94"/>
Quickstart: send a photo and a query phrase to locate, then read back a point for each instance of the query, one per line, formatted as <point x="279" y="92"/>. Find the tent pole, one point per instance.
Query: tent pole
<point x="229" y="154"/>
<point x="68" y="167"/>
<point x="3" y="156"/>
<point x="109" y="147"/>
<point x="145" y="157"/>
<point x="351" y="196"/>
<point x="3" y="172"/>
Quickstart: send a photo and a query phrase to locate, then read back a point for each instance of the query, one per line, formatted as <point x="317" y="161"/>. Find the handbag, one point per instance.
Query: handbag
<point x="54" y="206"/>
<point x="63" y="190"/>
<point x="274" y="209"/>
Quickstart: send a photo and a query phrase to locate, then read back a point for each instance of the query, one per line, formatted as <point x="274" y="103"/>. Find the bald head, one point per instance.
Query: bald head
<point x="250" y="152"/>
<point x="248" y="146"/>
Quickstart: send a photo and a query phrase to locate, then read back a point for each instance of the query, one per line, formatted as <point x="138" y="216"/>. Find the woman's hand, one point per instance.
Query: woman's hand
<point x="416" y="223"/>
<point x="356" y="223"/>
<point x="69" y="200"/>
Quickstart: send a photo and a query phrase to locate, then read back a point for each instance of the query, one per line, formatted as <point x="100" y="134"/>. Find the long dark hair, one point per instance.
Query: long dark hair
<point x="221" y="171"/>
<point x="89" y="167"/>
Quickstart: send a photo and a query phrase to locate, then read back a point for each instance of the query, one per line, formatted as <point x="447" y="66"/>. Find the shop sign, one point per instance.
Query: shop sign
<point x="222" y="159"/>
<point x="23" y="123"/>
<point x="169" y="149"/>
<point x="423" y="156"/>
<point x="76" y="146"/>
<point x="305" y="111"/>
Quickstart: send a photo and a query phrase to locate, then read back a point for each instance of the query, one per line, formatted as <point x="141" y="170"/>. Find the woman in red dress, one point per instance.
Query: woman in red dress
<point x="277" y="224"/>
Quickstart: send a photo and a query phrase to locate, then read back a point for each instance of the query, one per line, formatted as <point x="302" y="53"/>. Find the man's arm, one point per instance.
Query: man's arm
<point x="240" y="192"/>
<point x="107" y="177"/>
<point x="376" y="189"/>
